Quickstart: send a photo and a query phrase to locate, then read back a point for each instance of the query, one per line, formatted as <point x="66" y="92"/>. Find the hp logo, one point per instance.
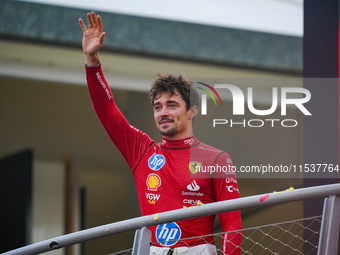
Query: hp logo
<point x="156" y="161"/>
<point x="168" y="234"/>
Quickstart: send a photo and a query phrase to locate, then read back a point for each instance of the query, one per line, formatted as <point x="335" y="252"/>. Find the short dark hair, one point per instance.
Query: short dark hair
<point x="169" y="83"/>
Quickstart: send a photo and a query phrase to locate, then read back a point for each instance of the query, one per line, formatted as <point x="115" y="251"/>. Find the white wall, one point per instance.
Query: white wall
<point x="48" y="218"/>
<point x="48" y="201"/>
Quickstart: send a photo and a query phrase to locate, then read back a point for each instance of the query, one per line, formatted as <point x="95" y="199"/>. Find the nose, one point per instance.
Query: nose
<point x="164" y="112"/>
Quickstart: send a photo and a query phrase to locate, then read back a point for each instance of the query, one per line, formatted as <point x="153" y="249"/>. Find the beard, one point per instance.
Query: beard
<point x="168" y="131"/>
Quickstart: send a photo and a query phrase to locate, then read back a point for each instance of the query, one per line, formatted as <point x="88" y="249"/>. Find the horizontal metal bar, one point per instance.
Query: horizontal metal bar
<point x="176" y="215"/>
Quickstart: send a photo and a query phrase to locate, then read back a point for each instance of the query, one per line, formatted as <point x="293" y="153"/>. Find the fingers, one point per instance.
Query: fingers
<point x="93" y="21"/>
<point x="82" y="25"/>
<point x="101" y="38"/>
<point x="89" y="20"/>
<point x="99" y="23"/>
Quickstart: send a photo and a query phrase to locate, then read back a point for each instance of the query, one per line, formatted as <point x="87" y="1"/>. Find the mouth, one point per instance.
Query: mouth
<point x="165" y="122"/>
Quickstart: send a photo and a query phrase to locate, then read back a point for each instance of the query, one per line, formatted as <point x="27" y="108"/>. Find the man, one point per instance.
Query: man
<point x="166" y="174"/>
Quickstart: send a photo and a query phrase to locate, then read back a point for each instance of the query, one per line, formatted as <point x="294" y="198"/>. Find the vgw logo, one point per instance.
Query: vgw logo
<point x="238" y="100"/>
<point x="156" y="161"/>
<point x="168" y="234"/>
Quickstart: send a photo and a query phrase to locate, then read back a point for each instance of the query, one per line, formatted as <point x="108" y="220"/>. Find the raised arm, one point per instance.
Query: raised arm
<point x="129" y="141"/>
<point x="93" y="38"/>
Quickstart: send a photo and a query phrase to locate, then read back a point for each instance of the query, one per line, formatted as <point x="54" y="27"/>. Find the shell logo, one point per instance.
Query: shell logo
<point x="153" y="182"/>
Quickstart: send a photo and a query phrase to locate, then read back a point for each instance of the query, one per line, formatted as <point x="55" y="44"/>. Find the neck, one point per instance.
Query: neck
<point x="179" y="143"/>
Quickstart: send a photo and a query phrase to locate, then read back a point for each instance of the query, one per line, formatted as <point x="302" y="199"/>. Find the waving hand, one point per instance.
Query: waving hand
<point x="93" y="37"/>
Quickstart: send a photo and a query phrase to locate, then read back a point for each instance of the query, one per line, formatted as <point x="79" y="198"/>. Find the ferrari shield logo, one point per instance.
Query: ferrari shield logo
<point x="194" y="166"/>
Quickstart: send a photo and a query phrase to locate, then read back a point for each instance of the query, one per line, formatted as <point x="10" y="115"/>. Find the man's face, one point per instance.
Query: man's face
<point x="171" y="116"/>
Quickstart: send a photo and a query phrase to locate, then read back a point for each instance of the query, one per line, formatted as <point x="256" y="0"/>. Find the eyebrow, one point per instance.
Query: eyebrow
<point x="168" y="102"/>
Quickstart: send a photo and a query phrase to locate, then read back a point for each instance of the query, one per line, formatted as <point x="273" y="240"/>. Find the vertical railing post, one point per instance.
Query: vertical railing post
<point x="329" y="232"/>
<point x="141" y="243"/>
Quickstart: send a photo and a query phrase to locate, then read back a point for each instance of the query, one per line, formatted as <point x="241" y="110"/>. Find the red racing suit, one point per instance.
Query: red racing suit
<point x="168" y="175"/>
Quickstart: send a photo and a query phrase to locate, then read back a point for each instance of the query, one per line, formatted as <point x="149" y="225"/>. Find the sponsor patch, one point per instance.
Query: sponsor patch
<point x="194" y="166"/>
<point x="156" y="161"/>
<point x="168" y="234"/>
<point x="231" y="189"/>
<point x="152" y="198"/>
<point x="193" y="186"/>
<point x="153" y="181"/>
<point x="192" y="202"/>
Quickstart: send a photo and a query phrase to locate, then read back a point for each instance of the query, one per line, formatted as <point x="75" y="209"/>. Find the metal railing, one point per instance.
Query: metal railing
<point x="277" y="238"/>
<point x="328" y="237"/>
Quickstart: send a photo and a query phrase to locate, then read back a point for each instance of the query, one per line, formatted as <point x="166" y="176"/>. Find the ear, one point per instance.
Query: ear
<point x="193" y="111"/>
